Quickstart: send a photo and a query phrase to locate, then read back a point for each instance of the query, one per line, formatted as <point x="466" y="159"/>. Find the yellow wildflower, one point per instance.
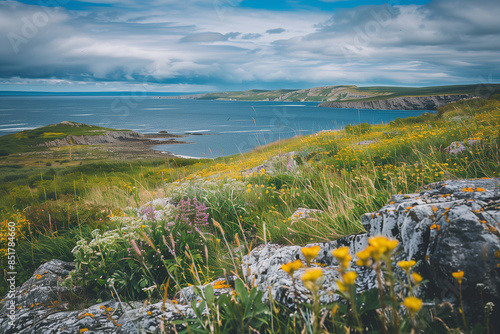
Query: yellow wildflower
<point x="349" y="277"/>
<point x="416" y="278"/>
<point x="413" y="304"/>
<point x="291" y="267"/>
<point x="347" y="281"/>
<point x="406" y="265"/>
<point x="342" y="255"/>
<point x="310" y="253"/>
<point x="310" y="278"/>
<point x="459" y="275"/>
<point x="364" y="257"/>
<point x="382" y="246"/>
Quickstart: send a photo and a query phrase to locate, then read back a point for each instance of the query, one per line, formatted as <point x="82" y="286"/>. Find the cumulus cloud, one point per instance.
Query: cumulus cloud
<point x="224" y="46"/>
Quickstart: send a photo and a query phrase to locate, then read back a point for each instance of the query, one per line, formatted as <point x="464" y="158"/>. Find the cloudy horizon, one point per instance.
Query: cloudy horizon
<point x="221" y="45"/>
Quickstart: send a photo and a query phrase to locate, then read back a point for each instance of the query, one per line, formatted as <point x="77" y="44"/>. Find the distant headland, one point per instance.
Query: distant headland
<point x="350" y="96"/>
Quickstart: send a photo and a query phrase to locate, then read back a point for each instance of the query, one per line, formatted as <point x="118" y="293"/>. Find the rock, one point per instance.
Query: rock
<point x="42" y="307"/>
<point x="106" y="138"/>
<point x="367" y="142"/>
<point x="279" y="164"/>
<point x="187" y="295"/>
<point x="151" y="318"/>
<point x="456" y="147"/>
<point x="473" y="142"/>
<point x="400" y="103"/>
<point x="451" y="226"/>
<point x="303" y="213"/>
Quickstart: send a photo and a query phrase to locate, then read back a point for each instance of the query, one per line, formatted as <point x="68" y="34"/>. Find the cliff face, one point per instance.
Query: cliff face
<point x="401" y="103"/>
<point x="109" y="137"/>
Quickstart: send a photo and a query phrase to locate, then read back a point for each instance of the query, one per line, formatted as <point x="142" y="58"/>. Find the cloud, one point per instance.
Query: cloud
<point x="113" y="48"/>
<point x="276" y="31"/>
<point x="251" y="36"/>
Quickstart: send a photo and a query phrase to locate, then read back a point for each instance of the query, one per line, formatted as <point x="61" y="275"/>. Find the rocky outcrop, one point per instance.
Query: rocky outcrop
<point x="449" y="227"/>
<point x="401" y="103"/>
<point x="44" y="306"/>
<point x="107" y="138"/>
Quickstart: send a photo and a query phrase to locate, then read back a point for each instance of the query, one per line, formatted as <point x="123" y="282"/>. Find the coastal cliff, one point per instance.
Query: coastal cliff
<point x="401" y="103"/>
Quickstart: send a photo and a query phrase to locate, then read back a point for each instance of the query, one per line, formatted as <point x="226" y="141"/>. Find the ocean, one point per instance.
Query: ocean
<point x="216" y="128"/>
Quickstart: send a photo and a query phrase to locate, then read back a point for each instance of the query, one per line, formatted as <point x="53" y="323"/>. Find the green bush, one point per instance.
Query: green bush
<point x="224" y="199"/>
<point x="139" y="256"/>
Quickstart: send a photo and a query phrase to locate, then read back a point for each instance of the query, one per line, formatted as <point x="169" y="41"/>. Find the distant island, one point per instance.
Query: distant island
<point x="350" y="96"/>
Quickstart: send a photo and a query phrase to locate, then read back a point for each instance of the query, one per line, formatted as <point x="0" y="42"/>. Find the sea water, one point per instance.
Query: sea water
<point x="214" y="128"/>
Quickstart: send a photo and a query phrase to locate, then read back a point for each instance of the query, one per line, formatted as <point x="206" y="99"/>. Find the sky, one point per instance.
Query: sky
<point x="226" y="45"/>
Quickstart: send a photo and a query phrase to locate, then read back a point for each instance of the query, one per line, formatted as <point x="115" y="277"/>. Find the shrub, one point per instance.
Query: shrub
<point x="140" y="255"/>
<point x="224" y="199"/>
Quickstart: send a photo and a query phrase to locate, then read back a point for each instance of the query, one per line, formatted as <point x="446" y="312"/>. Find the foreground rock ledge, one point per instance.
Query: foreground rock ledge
<point x="452" y="225"/>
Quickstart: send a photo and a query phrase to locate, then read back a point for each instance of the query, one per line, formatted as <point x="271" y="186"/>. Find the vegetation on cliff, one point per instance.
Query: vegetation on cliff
<point x="348" y="93"/>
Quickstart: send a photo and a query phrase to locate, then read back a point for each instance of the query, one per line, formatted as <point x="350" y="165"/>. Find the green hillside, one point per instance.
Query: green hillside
<point x="28" y="140"/>
<point x="347" y="93"/>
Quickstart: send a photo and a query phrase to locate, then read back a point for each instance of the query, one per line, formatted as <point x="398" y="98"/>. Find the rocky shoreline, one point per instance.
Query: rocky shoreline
<point x="400" y="103"/>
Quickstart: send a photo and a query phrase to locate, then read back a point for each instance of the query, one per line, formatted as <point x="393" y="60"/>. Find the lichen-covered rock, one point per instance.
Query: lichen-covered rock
<point x="42" y="306"/>
<point x="304" y="213"/>
<point x="451" y="226"/>
<point x="221" y="286"/>
<point x="457" y="147"/>
<point x="282" y="163"/>
<point x="367" y="142"/>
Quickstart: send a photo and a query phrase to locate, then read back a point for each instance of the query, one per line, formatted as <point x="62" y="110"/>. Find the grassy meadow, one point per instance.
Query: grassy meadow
<point x="82" y="212"/>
